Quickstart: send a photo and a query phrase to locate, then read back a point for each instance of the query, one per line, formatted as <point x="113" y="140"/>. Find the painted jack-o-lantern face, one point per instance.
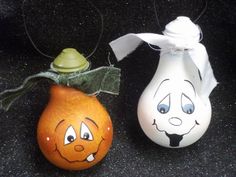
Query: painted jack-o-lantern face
<point x="79" y="143"/>
<point x="75" y="131"/>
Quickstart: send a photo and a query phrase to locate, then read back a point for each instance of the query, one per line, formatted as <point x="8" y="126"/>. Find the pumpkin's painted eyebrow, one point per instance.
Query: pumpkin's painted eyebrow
<point x="59" y="123"/>
<point x="159" y="86"/>
<point x="91" y="121"/>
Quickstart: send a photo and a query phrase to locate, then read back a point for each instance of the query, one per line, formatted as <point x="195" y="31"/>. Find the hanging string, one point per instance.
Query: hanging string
<point x="28" y="35"/>
<point x="153" y="48"/>
<point x="156" y="15"/>
<point x="158" y="22"/>
<point x="51" y="57"/>
<point x="202" y="12"/>
<point x="201" y="34"/>
<point x="102" y="29"/>
<point x="199" y="16"/>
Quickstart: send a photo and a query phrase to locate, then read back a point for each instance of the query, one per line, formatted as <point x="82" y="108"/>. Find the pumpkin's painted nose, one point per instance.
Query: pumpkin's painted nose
<point x="79" y="148"/>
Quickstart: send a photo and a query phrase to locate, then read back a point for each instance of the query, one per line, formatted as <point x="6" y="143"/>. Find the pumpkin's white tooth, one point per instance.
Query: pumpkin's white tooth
<point x="90" y="158"/>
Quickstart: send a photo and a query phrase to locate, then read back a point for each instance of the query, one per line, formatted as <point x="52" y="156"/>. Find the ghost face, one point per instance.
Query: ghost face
<point x="172" y="114"/>
<point x="74" y="131"/>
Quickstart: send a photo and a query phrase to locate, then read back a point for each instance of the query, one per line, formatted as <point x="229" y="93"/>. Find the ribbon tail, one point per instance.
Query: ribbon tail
<point x="8" y="97"/>
<point x="126" y="44"/>
<point x="200" y="58"/>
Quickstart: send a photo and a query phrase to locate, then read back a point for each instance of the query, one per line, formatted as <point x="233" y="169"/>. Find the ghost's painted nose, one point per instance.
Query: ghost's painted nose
<point x="79" y="148"/>
<point x="175" y="121"/>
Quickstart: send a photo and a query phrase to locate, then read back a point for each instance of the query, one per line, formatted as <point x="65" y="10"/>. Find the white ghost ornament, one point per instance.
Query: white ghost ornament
<point x="174" y="110"/>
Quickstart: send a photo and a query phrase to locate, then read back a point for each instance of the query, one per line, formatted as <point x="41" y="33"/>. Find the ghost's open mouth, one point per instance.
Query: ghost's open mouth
<point x="174" y="138"/>
<point x="89" y="158"/>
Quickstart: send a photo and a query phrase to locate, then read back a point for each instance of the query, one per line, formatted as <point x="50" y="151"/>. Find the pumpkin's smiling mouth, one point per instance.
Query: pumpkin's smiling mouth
<point x="90" y="158"/>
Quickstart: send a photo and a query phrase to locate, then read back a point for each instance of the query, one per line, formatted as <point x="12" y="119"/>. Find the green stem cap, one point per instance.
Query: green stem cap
<point x="70" y="60"/>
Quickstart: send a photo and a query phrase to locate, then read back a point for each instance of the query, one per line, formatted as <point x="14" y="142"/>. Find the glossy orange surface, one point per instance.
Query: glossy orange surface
<point x="75" y="131"/>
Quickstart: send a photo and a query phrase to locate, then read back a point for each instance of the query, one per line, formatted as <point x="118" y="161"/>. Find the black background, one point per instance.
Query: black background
<point x="57" y="24"/>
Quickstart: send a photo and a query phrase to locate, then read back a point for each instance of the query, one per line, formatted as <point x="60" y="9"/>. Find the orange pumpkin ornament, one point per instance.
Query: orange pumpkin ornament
<point x="74" y="131"/>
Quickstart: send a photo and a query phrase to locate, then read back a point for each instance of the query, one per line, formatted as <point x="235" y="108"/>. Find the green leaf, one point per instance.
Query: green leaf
<point x="7" y="97"/>
<point x="104" y="79"/>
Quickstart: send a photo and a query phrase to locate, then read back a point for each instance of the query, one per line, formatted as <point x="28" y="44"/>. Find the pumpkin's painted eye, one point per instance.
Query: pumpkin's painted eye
<point x="164" y="106"/>
<point x="187" y="104"/>
<point x="70" y="136"/>
<point x="85" y="133"/>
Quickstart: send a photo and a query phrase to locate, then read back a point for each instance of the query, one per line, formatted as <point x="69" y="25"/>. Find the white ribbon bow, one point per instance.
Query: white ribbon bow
<point x="172" y="41"/>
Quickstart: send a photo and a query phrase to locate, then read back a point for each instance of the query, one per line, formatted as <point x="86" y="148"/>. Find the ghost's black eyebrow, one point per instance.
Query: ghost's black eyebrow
<point x="159" y="86"/>
<point x="191" y="85"/>
<point x="59" y="123"/>
<point x="92" y="121"/>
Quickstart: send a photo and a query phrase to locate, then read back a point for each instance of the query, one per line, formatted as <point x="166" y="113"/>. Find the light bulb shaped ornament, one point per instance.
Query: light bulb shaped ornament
<point x="74" y="131"/>
<point x="174" y="110"/>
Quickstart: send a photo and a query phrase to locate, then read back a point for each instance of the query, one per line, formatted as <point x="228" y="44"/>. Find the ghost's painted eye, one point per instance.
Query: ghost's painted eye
<point x="70" y="135"/>
<point x="164" y="106"/>
<point x="85" y="132"/>
<point x="187" y="104"/>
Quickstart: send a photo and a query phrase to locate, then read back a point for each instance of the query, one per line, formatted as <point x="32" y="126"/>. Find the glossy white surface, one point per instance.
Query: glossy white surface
<point x="174" y="110"/>
<point x="174" y="89"/>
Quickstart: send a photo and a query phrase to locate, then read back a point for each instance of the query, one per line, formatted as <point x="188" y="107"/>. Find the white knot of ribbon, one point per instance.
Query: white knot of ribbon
<point x="180" y="34"/>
